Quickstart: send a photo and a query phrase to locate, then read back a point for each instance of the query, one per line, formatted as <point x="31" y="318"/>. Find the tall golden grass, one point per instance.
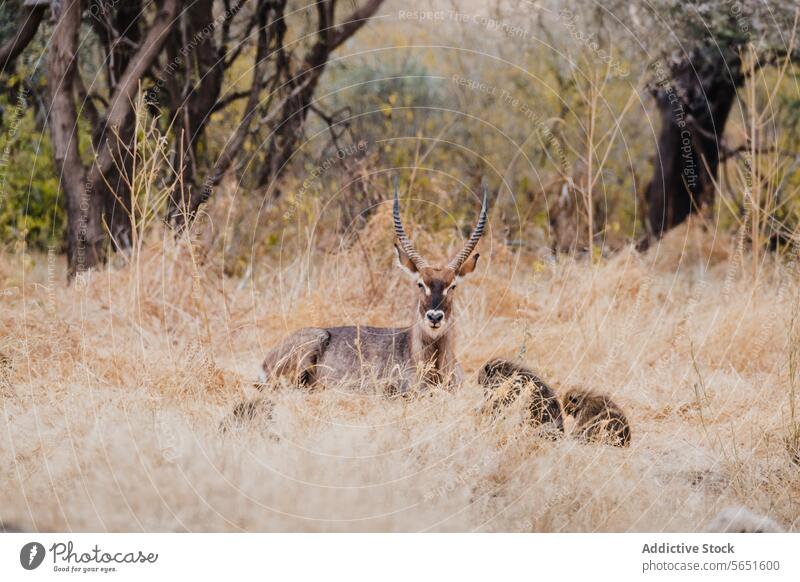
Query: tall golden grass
<point x="113" y="388"/>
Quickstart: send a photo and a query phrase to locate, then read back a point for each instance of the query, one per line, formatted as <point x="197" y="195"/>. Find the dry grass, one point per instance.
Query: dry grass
<point x="112" y="393"/>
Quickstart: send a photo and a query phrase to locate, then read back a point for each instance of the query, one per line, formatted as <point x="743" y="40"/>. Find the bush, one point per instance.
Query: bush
<point x="30" y="212"/>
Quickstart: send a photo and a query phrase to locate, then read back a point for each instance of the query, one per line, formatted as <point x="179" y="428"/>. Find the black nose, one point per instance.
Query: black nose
<point x="435" y="316"/>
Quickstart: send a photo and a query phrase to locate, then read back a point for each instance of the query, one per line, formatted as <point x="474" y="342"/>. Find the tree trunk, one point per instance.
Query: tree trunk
<point x="84" y="230"/>
<point x="271" y="27"/>
<point x="193" y="103"/>
<point x="293" y="117"/>
<point x="694" y="105"/>
<point x="85" y="192"/>
<point x="119" y="32"/>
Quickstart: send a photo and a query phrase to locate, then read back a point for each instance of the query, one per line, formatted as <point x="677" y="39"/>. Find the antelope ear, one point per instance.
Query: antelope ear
<point x="405" y="263"/>
<point x="469" y="265"/>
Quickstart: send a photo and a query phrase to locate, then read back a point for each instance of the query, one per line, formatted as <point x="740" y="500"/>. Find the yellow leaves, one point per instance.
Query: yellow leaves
<point x="388" y="107"/>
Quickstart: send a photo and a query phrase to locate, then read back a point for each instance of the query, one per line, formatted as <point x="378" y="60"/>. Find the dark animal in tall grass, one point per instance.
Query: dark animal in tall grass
<point x="504" y="381"/>
<point x="598" y="419"/>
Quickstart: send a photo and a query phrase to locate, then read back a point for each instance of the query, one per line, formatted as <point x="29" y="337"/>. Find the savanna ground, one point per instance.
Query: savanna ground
<point x="112" y="393"/>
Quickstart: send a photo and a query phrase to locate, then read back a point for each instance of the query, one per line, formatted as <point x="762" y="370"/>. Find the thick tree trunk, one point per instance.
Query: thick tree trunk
<point x="86" y="192"/>
<point x="84" y="229"/>
<point x="694" y="105"/>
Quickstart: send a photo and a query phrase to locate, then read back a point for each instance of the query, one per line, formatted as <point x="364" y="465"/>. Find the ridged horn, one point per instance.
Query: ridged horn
<point x="402" y="237"/>
<point x="456" y="263"/>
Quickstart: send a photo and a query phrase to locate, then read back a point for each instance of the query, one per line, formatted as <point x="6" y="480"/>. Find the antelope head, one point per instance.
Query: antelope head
<point x="436" y="283"/>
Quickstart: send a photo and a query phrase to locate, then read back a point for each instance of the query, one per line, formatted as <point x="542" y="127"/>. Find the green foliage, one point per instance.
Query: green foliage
<point x="387" y="96"/>
<point x="30" y="212"/>
<point x="8" y="21"/>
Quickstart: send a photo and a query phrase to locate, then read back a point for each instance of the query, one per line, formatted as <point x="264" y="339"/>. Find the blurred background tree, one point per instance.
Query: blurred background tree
<point x="103" y="53"/>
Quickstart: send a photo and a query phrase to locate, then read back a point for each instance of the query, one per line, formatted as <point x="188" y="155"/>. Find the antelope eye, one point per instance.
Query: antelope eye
<point x="453" y="286"/>
<point x="420" y="285"/>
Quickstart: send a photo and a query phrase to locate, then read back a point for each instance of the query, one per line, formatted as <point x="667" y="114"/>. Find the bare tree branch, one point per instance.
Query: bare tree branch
<point x="121" y="102"/>
<point x="228" y="99"/>
<point x="295" y="111"/>
<point x="352" y="23"/>
<point x="29" y="20"/>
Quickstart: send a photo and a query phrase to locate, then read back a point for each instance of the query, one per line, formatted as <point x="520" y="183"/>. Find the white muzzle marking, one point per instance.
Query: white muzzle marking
<point x="434" y="320"/>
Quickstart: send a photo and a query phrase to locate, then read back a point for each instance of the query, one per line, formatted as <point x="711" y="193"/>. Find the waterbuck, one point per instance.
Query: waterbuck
<point x="423" y="351"/>
<point x="396" y="358"/>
